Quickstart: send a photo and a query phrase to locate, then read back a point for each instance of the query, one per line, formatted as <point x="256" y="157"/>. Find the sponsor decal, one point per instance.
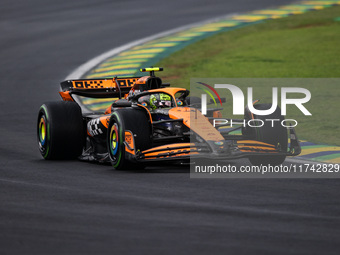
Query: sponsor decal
<point x="93" y="127"/>
<point x="129" y="139"/>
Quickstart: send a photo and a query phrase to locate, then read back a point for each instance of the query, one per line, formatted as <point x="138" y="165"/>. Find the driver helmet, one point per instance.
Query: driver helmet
<point x="160" y="100"/>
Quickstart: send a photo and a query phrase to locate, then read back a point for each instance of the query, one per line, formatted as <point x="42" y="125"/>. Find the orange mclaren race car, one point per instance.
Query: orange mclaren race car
<point x="149" y="122"/>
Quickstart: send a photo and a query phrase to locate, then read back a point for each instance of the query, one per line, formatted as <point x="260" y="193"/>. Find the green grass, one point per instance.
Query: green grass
<point x="299" y="46"/>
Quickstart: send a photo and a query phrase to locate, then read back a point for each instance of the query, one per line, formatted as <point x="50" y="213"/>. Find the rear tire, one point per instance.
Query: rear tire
<point x="60" y="130"/>
<point x="276" y="135"/>
<point x="128" y="119"/>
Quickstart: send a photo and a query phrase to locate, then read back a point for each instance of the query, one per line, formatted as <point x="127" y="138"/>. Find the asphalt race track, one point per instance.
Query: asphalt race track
<point x="74" y="207"/>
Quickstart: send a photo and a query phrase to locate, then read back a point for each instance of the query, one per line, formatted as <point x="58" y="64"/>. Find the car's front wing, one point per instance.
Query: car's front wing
<point x="231" y="149"/>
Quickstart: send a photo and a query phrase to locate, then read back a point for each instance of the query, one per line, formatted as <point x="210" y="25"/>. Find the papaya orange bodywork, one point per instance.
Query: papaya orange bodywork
<point x="196" y="122"/>
<point x="66" y="96"/>
<point x="171" y="150"/>
<point x="105" y="121"/>
<point x="130" y="141"/>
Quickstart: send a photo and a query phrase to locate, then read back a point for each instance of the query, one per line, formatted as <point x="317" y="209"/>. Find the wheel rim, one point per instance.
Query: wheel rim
<point x="42" y="131"/>
<point x="114" y="140"/>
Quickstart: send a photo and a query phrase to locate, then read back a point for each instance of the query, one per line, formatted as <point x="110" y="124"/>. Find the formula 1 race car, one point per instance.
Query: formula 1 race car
<point x="149" y="121"/>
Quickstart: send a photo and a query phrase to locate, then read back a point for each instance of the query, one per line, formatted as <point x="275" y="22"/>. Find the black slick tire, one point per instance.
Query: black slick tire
<point x="60" y="130"/>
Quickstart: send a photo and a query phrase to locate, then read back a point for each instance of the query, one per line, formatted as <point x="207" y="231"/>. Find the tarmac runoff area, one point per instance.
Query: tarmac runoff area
<point x="126" y="60"/>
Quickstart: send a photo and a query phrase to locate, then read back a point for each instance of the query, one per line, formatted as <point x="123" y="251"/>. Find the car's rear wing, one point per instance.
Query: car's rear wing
<point x="97" y="88"/>
<point x="116" y="87"/>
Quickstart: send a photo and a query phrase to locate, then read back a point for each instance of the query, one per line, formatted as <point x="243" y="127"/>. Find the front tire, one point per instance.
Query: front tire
<point x="128" y="119"/>
<point x="60" y="130"/>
